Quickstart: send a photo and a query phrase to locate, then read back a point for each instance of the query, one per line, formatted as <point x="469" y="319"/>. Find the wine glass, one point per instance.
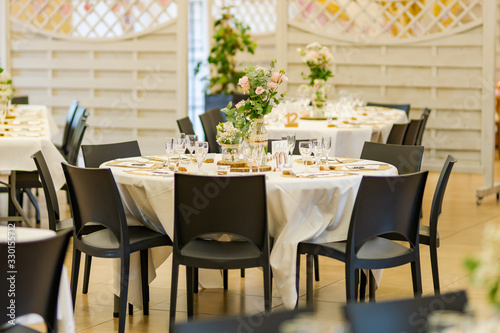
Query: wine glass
<point x="327" y="146"/>
<point x="290" y="141"/>
<point x="201" y="150"/>
<point x="305" y="148"/>
<point x="179" y="148"/>
<point x="317" y="150"/>
<point x="191" y="140"/>
<point x="169" y="149"/>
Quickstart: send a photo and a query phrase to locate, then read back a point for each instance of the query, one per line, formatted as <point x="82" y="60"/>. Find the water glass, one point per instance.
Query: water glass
<point x="179" y="147"/>
<point x="327" y="146"/>
<point x="191" y="140"/>
<point x="290" y="141"/>
<point x="201" y="150"/>
<point x="305" y="148"/>
<point x="317" y="150"/>
<point x="169" y="148"/>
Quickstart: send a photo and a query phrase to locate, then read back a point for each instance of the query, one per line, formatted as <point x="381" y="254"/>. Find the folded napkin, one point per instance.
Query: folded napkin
<point x="360" y="167"/>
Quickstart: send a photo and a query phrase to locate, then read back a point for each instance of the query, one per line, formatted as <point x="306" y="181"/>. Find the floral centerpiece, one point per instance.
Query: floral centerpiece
<point x="6" y="93"/>
<point x="485" y="268"/>
<point x="319" y="60"/>
<point x="261" y="85"/>
<point x="229" y="138"/>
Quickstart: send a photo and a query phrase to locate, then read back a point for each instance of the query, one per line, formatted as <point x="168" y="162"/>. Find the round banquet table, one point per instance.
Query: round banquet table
<point x="65" y="318"/>
<point x="311" y="206"/>
<point x="369" y="123"/>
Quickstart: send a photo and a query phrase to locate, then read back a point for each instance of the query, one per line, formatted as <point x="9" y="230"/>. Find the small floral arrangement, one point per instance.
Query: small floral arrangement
<point x="227" y="134"/>
<point x="485" y="268"/>
<point x="261" y="85"/>
<point x="319" y="60"/>
<point x="6" y="91"/>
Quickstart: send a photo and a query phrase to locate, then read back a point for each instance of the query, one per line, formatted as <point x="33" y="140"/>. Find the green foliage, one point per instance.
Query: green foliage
<point x="230" y="37"/>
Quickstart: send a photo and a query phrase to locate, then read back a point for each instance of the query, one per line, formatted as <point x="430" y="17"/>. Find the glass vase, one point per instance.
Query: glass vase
<point x="258" y="133"/>
<point x="319" y="98"/>
<point x="4" y="109"/>
<point x="230" y="153"/>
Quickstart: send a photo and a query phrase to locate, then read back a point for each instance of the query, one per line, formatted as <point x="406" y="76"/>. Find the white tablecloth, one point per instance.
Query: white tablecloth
<point x="299" y="209"/>
<point x="370" y="124"/>
<point x="65" y="318"/>
<point x="24" y="135"/>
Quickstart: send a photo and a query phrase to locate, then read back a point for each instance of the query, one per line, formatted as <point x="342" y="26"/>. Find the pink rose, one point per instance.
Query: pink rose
<point x="240" y="104"/>
<point x="283" y="78"/>
<point x="275" y="77"/>
<point x="244" y="83"/>
<point x="313" y="55"/>
<point x="259" y="90"/>
<point x="273" y="85"/>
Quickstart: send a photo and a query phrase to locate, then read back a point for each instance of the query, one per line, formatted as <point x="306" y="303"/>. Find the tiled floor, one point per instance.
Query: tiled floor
<point x="460" y="227"/>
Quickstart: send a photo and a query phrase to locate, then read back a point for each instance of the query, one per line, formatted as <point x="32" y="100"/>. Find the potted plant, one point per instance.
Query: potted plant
<point x="230" y="37"/>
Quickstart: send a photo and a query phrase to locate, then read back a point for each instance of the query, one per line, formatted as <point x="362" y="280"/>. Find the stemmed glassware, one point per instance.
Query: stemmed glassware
<point x="290" y="141"/>
<point x="317" y="150"/>
<point x="179" y="148"/>
<point x="191" y="140"/>
<point x="327" y="146"/>
<point x="305" y="148"/>
<point x="169" y="149"/>
<point x="201" y="150"/>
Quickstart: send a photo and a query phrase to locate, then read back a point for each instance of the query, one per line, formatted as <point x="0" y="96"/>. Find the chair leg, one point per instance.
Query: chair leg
<point x="189" y="289"/>
<point x="173" y="294"/>
<point x="124" y="276"/>
<point x="309" y="280"/>
<point x="145" y="282"/>
<point x="435" y="270"/>
<point x="34" y="202"/>
<point x="242" y="274"/>
<point x="268" y="288"/>
<point x="362" y="285"/>
<point x="350" y="283"/>
<point x="130" y="309"/>
<point x="297" y="279"/>
<point x="195" y="280"/>
<point x="417" y="278"/>
<point x="316" y="267"/>
<point x="225" y="278"/>
<point x="75" y="269"/>
<point x="373" y="287"/>
<point x="86" y="274"/>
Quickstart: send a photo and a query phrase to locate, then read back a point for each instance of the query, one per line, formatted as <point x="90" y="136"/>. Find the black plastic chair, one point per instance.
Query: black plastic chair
<point x="94" y="197"/>
<point x="259" y="322"/>
<point x="95" y="155"/>
<point x="20" y="100"/>
<point x="407" y="315"/>
<point x="397" y="134"/>
<point x="221" y="210"/>
<point x="76" y="135"/>
<point x="425" y="116"/>
<point x="411" y="135"/>
<point x="39" y="267"/>
<point x="185" y="125"/>
<point x="394" y="203"/>
<point x="407" y="159"/>
<point x="404" y="107"/>
<point x="209" y="121"/>
<point x="67" y="133"/>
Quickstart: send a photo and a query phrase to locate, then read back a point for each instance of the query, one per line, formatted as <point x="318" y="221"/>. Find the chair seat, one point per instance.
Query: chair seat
<point x="68" y="224"/>
<point x="220" y="251"/>
<point x="106" y="244"/>
<point x="18" y="329"/>
<point x="27" y="179"/>
<point x="376" y="248"/>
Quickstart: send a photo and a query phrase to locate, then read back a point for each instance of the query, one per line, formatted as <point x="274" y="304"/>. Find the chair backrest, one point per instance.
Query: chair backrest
<point x="95" y="155"/>
<point x="394" y="202"/>
<point x="20" y="100"/>
<point x="397" y="134"/>
<point x="407" y="315"/>
<point x="67" y="127"/>
<point x="437" y="201"/>
<point x="407" y="159"/>
<point x="185" y="125"/>
<point x="209" y="121"/>
<point x="210" y="205"/>
<point x="259" y="322"/>
<point x="77" y="137"/>
<point x="424" y="117"/>
<point x="94" y="197"/>
<point x="404" y="107"/>
<point x="40" y="260"/>
<point x="411" y="135"/>
<point x="48" y="189"/>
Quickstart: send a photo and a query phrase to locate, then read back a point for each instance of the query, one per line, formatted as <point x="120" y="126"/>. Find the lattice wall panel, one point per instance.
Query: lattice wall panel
<point x="130" y="87"/>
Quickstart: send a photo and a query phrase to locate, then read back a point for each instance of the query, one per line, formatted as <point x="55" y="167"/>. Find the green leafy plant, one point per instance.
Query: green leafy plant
<point x="230" y="37"/>
<point x="319" y="60"/>
<point x="6" y="90"/>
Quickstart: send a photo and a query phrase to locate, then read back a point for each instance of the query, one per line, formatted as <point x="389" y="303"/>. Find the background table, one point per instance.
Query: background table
<point x="65" y="318"/>
<point x="370" y="124"/>
<point x="299" y="209"/>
